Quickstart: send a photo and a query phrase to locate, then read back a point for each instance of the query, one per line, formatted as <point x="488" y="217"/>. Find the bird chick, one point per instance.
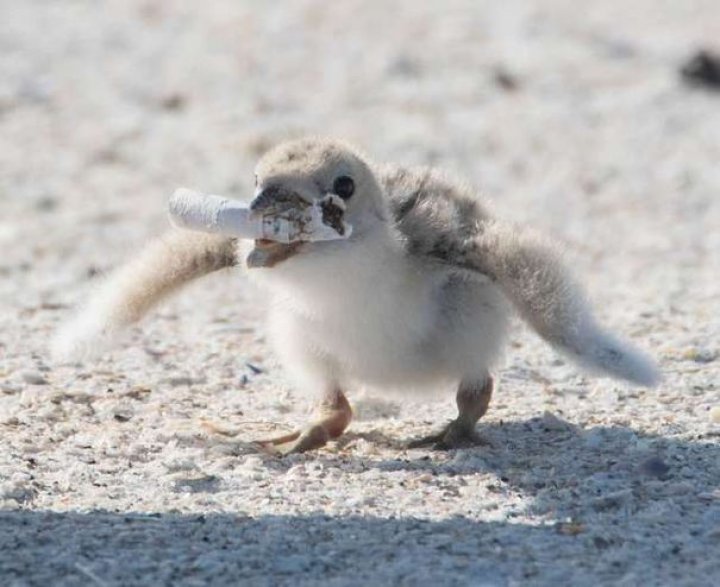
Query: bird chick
<point x="419" y="296"/>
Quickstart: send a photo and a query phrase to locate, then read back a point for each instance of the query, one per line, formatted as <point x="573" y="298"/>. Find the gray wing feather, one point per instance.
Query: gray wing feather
<point x="433" y="213"/>
<point x="443" y="221"/>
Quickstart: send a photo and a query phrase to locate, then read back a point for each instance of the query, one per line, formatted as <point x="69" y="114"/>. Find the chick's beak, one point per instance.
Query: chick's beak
<point x="268" y="253"/>
<point x="274" y="201"/>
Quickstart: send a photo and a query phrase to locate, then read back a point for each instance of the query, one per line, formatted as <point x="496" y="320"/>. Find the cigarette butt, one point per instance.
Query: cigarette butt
<point x="197" y="211"/>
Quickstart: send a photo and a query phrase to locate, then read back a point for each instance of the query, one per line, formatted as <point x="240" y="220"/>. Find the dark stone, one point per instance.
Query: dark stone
<point x="505" y="80"/>
<point x="702" y="70"/>
<point x="654" y="467"/>
<point x="173" y="102"/>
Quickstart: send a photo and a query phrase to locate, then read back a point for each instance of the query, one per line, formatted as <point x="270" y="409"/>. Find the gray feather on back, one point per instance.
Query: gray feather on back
<point x="442" y="220"/>
<point x="435" y="215"/>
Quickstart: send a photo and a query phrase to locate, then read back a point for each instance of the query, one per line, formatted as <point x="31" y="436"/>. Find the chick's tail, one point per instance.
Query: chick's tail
<point x="126" y="295"/>
<point x="530" y="272"/>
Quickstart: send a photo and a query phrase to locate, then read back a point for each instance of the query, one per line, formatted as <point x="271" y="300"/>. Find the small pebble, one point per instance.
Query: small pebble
<point x="405" y="66"/>
<point x="46" y="204"/>
<point x="254" y="368"/>
<point x="612" y="500"/>
<point x="715" y="415"/>
<point x="178" y="381"/>
<point x="123" y="414"/>
<point x="710" y="495"/>
<point x="700" y="355"/>
<point x="654" y="467"/>
<point x="180" y="464"/>
<point x="291" y="564"/>
<point x="505" y="80"/>
<point x="34" y="378"/>
<point x="173" y="102"/>
<point x="702" y="70"/>
<point x="203" y="484"/>
<point x="570" y="528"/>
<point x="713" y="533"/>
<point x="551" y="423"/>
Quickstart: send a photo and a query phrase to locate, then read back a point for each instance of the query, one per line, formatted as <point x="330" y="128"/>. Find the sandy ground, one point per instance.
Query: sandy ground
<point x="136" y="469"/>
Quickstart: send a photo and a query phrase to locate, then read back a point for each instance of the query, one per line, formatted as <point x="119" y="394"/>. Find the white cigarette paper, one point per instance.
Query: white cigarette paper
<point x="208" y="213"/>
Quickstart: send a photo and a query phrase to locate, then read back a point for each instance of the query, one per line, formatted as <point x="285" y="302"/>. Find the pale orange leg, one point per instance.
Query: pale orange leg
<point x="473" y="398"/>
<point x="333" y="417"/>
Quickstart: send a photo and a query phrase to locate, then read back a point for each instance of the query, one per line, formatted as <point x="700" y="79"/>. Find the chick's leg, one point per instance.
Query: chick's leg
<point x="333" y="415"/>
<point x="473" y="398"/>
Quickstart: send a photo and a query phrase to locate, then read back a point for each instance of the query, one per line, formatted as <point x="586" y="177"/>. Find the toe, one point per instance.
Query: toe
<point x="431" y="439"/>
<point x="311" y="438"/>
<point x="279" y="440"/>
<point x="453" y="436"/>
<point x="454" y="439"/>
<point x="424" y="441"/>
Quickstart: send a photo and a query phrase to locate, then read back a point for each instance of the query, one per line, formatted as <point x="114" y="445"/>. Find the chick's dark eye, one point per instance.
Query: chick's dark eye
<point x="344" y="187"/>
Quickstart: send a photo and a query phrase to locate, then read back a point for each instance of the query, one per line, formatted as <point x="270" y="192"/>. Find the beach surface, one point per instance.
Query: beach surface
<point x="138" y="468"/>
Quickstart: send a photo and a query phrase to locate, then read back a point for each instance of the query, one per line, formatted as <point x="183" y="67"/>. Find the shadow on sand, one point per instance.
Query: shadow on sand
<point x="637" y="504"/>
